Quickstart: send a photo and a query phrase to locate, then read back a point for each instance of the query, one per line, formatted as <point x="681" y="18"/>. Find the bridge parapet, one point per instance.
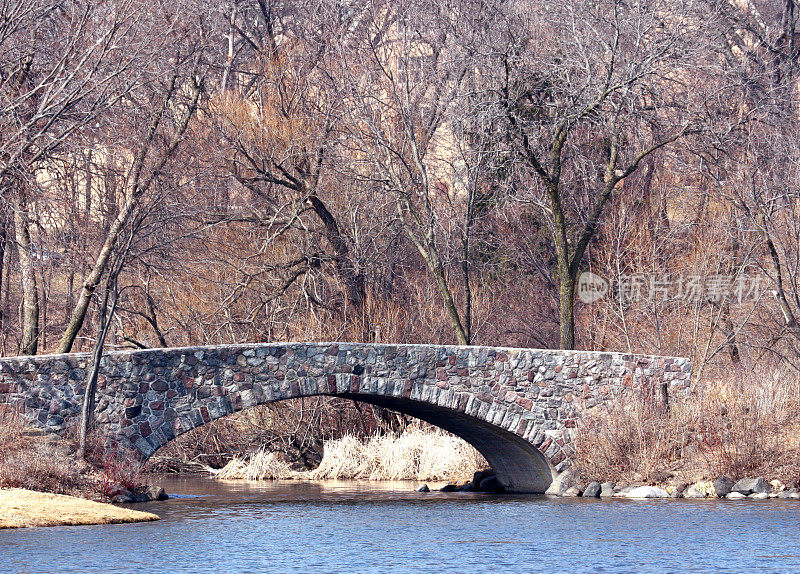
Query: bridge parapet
<point x="519" y="407"/>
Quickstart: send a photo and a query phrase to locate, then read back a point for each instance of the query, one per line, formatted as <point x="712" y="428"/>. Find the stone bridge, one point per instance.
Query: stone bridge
<point x="518" y="407"/>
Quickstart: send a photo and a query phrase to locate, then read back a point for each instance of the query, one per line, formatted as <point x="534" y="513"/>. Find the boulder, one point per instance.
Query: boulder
<point x="692" y="492"/>
<point x="787" y="493"/>
<point x="759" y="496"/>
<point x="467" y="488"/>
<point x="607" y="490"/>
<point x="491" y="484"/>
<point x="749" y="486"/>
<point x="723" y="486"/>
<point x="124" y="497"/>
<point x="623" y="492"/>
<point x="448" y="488"/>
<point x="573" y="491"/>
<point x="680" y="488"/>
<point x="142" y="497"/>
<point x="647" y="492"/>
<point x="560" y="484"/>
<point x="592" y="490"/>
<point x="157" y="493"/>
<point x="735" y="496"/>
<point x="478" y="477"/>
<point x="423" y="488"/>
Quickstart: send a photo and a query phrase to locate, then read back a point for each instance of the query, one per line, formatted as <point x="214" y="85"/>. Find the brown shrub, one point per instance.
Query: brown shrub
<point x="632" y="440"/>
<point x="740" y="426"/>
<point x="749" y="425"/>
<point x="33" y="460"/>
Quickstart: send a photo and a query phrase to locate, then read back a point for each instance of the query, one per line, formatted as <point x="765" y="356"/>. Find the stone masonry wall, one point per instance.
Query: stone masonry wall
<point x="146" y="398"/>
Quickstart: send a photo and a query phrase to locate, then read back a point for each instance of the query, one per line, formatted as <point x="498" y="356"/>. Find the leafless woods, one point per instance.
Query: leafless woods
<point x="415" y="171"/>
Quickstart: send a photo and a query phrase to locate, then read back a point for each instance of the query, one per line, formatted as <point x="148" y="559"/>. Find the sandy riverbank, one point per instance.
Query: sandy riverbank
<point x="21" y="508"/>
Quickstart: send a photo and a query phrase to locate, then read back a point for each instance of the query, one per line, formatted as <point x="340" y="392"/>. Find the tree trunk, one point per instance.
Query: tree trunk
<point x="3" y="244"/>
<point x="93" y="279"/>
<point x="87" y="408"/>
<point x="566" y="304"/>
<point x="30" y="291"/>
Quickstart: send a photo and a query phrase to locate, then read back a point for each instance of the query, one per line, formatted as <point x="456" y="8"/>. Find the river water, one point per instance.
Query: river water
<point x="357" y="527"/>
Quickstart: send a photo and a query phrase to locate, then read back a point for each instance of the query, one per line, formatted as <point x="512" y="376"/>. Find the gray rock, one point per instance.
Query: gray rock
<point x="448" y="488"/>
<point x="736" y="496"/>
<point x="142" y="497"/>
<point x="560" y="484"/>
<point x="607" y="490"/>
<point x="749" y="486"/>
<point x="479" y="476"/>
<point x="692" y="492"/>
<point x="423" y="488"/>
<point x="467" y="488"/>
<point x="759" y="496"/>
<point x="157" y="493"/>
<point x="491" y="484"/>
<point x="680" y="489"/>
<point x="723" y="486"/>
<point x="592" y="490"/>
<point x="786" y="493"/>
<point x="647" y="492"/>
<point x="573" y="491"/>
<point x="124" y="497"/>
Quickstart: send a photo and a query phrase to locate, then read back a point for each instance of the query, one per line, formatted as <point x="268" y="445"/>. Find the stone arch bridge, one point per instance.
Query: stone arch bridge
<point x="518" y="407"/>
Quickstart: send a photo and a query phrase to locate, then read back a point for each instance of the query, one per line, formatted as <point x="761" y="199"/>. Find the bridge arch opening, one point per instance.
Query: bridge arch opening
<point x="519" y="466"/>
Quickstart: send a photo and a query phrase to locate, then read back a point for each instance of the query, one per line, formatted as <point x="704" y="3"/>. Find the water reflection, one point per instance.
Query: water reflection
<point x="346" y="526"/>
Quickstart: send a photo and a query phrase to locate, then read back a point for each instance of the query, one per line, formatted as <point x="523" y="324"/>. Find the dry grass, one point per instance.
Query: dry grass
<point x="21" y="508"/>
<point x="260" y="465"/>
<point x="749" y="425"/>
<point x="296" y="429"/>
<point x="630" y="441"/>
<point x="740" y="426"/>
<point x="416" y="454"/>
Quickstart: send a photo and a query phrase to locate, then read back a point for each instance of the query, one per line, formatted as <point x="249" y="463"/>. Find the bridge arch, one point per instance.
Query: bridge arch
<point x="518" y="407"/>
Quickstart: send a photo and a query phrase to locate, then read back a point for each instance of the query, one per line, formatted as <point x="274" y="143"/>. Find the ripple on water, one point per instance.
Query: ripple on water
<point x="342" y="526"/>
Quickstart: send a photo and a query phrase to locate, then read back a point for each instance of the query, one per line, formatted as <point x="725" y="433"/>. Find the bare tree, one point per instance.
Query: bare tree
<point x="401" y="73"/>
<point x="755" y="163"/>
<point x="147" y="164"/>
<point x="589" y="91"/>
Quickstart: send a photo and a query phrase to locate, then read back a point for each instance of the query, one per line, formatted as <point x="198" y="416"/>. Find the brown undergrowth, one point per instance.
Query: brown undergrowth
<point x="737" y="425"/>
<point x="33" y="460"/>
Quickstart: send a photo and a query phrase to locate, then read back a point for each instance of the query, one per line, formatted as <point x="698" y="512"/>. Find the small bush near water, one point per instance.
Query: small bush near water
<point x="33" y="460"/>
<point x="415" y="454"/>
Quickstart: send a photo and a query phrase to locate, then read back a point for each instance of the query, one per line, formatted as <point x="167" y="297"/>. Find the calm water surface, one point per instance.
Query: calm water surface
<point x="373" y="527"/>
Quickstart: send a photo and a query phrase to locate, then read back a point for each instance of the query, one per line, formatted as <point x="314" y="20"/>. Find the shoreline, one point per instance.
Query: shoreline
<point x="21" y="508"/>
